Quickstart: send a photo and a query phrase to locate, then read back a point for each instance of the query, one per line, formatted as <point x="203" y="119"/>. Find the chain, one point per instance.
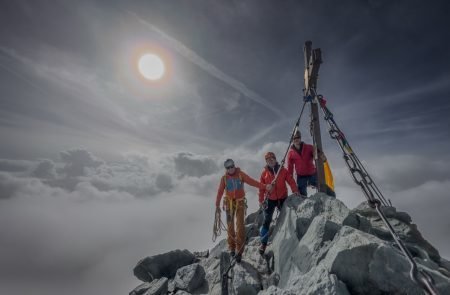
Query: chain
<point x="374" y="196"/>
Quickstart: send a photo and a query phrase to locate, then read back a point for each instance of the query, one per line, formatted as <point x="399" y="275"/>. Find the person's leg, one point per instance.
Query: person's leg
<point x="230" y="211"/>
<point x="312" y="180"/>
<point x="280" y="203"/>
<point x="240" y="227"/>
<point x="302" y="183"/>
<point x="268" y="214"/>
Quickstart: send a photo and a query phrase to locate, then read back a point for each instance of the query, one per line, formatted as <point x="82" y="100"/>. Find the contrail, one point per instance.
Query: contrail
<point x="208" y="67"/>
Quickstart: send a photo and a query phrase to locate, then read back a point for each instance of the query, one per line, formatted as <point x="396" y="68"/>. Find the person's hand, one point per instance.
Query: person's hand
<point x="218" y="209"/>
<point x="269" y="187"/>
<point x="297" y="194"/>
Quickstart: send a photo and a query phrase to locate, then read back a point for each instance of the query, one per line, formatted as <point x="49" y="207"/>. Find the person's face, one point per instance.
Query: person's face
<point x="230" y="169"/>
<point x="297" y="141"/>
<point x="271" y="162"/>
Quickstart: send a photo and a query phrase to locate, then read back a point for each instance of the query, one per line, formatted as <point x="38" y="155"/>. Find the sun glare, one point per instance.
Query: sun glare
<point x="151" y="67"/>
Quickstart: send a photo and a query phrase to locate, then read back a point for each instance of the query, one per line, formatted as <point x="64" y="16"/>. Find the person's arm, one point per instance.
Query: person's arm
<point x="250" y="181"/>
<point x="262" y="191"/>
<point x="220" y="191"/>
<point x="290" y="180"/>
<point x="322" y="156"/>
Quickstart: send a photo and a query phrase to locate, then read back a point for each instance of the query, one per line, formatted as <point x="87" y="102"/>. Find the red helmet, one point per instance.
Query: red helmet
<point x="269" y="155"/>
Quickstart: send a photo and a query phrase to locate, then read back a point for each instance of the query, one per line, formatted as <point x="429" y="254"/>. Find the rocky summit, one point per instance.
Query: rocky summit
<point x="317" y="246"/>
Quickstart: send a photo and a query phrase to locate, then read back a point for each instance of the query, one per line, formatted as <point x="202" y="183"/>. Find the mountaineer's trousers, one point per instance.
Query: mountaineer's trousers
<point x="235" y="210"/>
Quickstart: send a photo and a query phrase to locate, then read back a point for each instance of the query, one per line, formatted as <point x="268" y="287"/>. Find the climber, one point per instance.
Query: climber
<point x="235" y="204"/>
<point x="301" y="155"/>
<point x="275" y="198"/>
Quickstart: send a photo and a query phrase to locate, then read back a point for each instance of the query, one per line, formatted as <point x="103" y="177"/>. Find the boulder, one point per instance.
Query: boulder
<point x="246" y="279"/>
<point x="158" y="287"/>
<point x="139" y="290"/>
<point x="190" y="277"/>
<point x="162" y="265"/>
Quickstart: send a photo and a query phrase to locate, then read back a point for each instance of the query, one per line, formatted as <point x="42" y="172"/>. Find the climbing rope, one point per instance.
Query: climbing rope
<point x="218" y="225"/>
<point x="374" y="196"/>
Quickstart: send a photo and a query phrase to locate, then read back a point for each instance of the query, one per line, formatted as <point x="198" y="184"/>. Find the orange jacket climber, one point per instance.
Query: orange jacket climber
<point x="234" y="184"/>
<point x="279" y="191"/>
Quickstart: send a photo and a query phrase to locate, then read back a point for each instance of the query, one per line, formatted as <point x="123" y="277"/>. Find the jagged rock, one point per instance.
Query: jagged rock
<point x="182" y="292"/>
<point x="401" y="222"/>
<point x="271" y="280"/>
<point x="445" y="264"/>
<point x="140" y="289"/>
<point x="162" y="265"/>
<point x="218" y="249"/>
<point x="202" y="254"/>
<point x="357" y="221"/>
<point x="251" y="218"/>
<point x="252" y="230"/>
<point x="171" y="286"/>
<point x="157" y="287"/>
<point x="318" y="246"/>
<point x="245" y="279"/>
<point x="190" y="277"/>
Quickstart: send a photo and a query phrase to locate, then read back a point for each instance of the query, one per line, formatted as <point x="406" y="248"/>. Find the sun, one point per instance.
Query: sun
<point x="151" y="67"/>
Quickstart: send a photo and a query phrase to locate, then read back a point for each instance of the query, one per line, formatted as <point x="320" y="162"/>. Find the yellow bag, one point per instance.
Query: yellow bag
<point x="328" y="176"/>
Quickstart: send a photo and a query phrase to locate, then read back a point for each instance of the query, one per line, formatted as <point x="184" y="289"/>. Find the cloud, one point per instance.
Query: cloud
<point x="90" y="236"/>
<point x="77" y="162"/>
<point x="15" y="165"/>
<point x="45" y="169"/>
<point x="191" y="165"/>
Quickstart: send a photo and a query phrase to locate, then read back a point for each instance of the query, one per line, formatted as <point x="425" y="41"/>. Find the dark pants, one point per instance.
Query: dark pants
<point x="268" y="214"/>
<point x="304" y="181"/>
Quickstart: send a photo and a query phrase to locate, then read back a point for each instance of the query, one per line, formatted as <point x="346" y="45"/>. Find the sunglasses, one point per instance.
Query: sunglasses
<point x="229" y="167"/>
<point x="295" y="138"/>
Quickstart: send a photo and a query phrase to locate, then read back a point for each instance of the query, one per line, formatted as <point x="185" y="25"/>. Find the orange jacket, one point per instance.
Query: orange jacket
<point x="233" y="185"/>
<point x="279" y="190"/>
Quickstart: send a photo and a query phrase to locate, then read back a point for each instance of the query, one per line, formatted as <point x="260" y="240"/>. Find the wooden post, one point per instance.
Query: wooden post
<point x="313" y="59"/>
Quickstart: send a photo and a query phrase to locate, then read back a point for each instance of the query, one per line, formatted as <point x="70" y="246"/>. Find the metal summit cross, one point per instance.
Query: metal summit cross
<point x="313" y="59"/>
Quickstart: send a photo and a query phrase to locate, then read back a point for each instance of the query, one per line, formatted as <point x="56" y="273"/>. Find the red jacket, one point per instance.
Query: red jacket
<point x="234" y="185"/>
<point x="279" y="190"/>
<point x="302" y="160"/>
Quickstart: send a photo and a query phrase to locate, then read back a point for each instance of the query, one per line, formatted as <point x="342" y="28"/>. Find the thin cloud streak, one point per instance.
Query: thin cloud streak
<point x="210" y="68"/>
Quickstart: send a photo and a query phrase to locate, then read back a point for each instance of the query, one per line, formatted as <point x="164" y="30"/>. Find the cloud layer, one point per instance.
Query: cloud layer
<point x="85" y="226"/>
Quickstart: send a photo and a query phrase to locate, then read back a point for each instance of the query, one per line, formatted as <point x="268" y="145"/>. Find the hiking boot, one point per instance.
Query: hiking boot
<point x="238" y="258"/>
<point x="232" y="253"/>
<point x="262" y="249"/>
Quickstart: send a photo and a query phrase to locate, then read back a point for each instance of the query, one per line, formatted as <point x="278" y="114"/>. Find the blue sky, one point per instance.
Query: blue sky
<point x="101" y="169"/>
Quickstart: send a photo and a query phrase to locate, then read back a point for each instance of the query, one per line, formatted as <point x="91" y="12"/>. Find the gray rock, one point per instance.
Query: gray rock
<point x="302" y="225"/>
<point x="402" y="225"/>
<point x="251" y="218"/>
<point x="357" y="221"/>
<point x="140" y="289"/>
<point x="190" y="277"/>
<point x="171" y="286"/>
<point x="245" y="279"/>
<point x="319" y="246"/>
<point x="162" y="265"/>
<point x="219" y="248"/>
<point x="445" y="264"/>
<point x="158" y="287"/>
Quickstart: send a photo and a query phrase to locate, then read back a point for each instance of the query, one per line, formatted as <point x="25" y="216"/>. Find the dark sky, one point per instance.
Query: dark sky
<point x="81" y="130"/>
